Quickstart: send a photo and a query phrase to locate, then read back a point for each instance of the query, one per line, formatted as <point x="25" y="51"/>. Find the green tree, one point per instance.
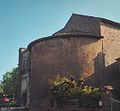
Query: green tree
<point x="10" y="82"/>
<point x="1" y="90"/>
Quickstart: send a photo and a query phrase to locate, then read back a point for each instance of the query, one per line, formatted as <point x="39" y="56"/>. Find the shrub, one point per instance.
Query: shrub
<point x="63" y="89"/>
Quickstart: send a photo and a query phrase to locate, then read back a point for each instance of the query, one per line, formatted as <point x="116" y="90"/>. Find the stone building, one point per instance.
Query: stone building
<point x="24" y="68"/>
<point x="87" y="46"/>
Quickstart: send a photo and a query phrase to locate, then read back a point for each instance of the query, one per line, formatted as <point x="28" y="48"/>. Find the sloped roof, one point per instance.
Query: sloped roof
<point x="63" y="35"/>
<point x="85" y="24"/>
<point x="79" y="26"/>
<point x="118" y="59"/>
<point x="101" y="20"/>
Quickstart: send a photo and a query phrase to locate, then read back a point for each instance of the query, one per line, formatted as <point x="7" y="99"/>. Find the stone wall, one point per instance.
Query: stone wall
<point x="64" y="56"/>
<point x="111" y="49"/>
<point x="89" y="57"/>
<point x="24" y="94"/>
<point x="82" y="109"/>
<point x="111" y="43"/>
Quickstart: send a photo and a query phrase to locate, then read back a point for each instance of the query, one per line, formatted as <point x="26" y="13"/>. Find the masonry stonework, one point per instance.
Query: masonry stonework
<point x="87" y="46"/>
<point x="111" y="49"/>
<point x="68" y="56"/>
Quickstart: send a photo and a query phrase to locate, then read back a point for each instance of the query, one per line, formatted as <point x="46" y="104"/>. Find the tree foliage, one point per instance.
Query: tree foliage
<point x="10" y="82"/>
<point x="63" y="89"/>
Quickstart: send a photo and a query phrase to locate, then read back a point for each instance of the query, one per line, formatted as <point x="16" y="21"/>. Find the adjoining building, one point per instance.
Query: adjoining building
<point x="87" y="46"/>
<point x="24" y="73"/>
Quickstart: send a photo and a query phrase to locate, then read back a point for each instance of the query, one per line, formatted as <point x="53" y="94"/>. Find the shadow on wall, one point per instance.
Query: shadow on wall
<point x="102" y="76"/>
<point x="97" y="78"/>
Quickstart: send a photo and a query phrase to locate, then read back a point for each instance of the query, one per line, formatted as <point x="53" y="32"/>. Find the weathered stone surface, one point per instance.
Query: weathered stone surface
<point x="91" y="57"/>
<point x="69" y="56"/>
<point x="111" y="49"/>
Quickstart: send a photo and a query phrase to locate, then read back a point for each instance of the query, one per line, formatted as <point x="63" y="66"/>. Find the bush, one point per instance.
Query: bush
<point x="11" y="104"/>
<point x="63" y="89"/>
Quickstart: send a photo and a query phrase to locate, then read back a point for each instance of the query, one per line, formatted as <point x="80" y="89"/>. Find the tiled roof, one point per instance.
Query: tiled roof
<point x="64" y="35"/>
<point x="76" y="32"/>
<point x="101" y="20"/>
<point x="118" y="59"/>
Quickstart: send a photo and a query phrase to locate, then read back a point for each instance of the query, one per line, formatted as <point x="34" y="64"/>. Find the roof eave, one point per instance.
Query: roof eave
<point x="63" y="36"/>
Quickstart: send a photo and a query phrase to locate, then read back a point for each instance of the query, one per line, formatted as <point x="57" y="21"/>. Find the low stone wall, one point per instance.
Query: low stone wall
<point x="73" y="105"/>
<point x="67" y="109"/>
<point x="13" y="109"/>
<point x="79" y="109"/>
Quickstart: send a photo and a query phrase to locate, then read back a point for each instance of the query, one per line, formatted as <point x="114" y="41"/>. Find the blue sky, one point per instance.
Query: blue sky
<point x="22" y="21"/>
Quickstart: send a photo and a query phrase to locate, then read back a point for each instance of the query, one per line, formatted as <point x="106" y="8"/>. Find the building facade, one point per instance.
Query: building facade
<point x="24" y="93"/>
<point x="87" y="46"/>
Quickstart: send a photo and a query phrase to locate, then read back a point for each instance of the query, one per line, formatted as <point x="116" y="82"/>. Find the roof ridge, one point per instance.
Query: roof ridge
<point x="99" y="18"/>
